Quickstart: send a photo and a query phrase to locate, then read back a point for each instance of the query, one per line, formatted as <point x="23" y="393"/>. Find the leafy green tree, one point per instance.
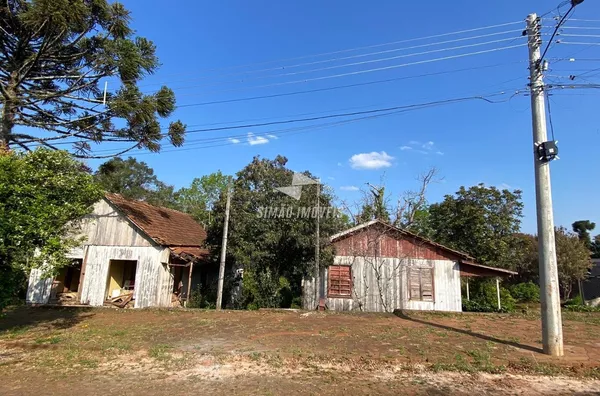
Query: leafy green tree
<point x="42" y="196"/>
<point x="525" y="255"/>
<point x="481" y="221"/>
<point x="134" y="180"/>
<point x="56" y="56"/>
<point x="596" y="247"/>
<point x="582" y="228"/>
<point x="263" y="240"/>
<point x="199" y="199"/>
<point x="573" y="259"/>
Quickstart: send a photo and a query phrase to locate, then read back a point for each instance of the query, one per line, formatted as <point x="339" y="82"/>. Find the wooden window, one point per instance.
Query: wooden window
<point x="420" y="284"/>
<point x="340" y="281"/>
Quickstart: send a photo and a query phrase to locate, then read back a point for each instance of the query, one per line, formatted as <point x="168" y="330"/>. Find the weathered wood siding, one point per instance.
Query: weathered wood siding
<point x="153" y="279"/>
<point x="379" y="258"/>
<point x="110" y="236"/>
<point x="105" y="226"/>
<point x="39" y="287"/>
<point x="381" y="285"/>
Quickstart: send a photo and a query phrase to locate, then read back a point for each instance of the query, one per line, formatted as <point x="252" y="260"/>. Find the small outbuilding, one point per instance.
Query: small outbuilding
<point x="380" y="268"/>
<point x="133" y="252"/>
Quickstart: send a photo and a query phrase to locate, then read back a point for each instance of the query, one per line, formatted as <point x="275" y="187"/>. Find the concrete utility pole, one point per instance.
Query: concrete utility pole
<point x="552" y="337"/>
<point x="318" y="279"/>
<point x="223" y="251"/>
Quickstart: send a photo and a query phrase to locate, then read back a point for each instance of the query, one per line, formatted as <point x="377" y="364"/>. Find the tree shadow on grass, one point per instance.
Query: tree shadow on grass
<point x="403" y="315"/>
<point x="24" y="317"/>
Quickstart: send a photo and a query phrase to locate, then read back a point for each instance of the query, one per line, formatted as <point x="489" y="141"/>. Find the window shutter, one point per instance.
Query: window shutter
<point x="426" y="284"/>
<point x="340" y="281"/>
<point x="414" y="283"/>
<point x="420" y="284"/>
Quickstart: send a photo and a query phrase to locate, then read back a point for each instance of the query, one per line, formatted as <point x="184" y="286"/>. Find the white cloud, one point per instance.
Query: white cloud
<point x="421" y="148"/>
<point x="331" y="177"/>
<point x="349" y="188"/>
<point x="234" y="141"/>
<point x="272" y="137"/>
<point x="340" y="164"/>
<point x="505" y="186"/>
<point x="254" y="140"/>
<point x="373" y="160"/>
<point x="428" y="145"/>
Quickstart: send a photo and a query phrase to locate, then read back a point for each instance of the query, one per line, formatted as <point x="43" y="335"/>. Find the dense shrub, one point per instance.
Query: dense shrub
<point x="204" y="296"/>
<point x="262" y="290"/>
<point x="484" y="298"/>
<point x="576" y="305"/>
<point x="525" y="292"/>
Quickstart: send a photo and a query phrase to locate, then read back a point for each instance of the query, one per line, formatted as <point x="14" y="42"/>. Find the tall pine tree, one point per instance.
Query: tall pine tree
<point x="56" y="56"/>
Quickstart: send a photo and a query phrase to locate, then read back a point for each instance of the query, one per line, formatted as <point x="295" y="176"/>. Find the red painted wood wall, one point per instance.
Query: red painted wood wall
<point x="378" y="243"/>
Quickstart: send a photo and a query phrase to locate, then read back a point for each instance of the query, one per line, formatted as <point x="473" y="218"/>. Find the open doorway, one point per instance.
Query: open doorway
<point x="121" y="278"/>
<point x="66" y="284"/>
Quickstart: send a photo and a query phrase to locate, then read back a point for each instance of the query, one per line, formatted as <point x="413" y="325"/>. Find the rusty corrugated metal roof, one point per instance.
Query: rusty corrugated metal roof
<point x="167" y="227"/>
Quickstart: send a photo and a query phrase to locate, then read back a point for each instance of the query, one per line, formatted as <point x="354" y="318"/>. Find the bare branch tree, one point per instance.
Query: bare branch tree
<point x="411" y="202"/>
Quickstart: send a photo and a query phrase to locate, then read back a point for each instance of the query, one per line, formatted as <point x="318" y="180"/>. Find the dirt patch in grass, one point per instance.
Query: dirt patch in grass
<point x="271" y="348"/>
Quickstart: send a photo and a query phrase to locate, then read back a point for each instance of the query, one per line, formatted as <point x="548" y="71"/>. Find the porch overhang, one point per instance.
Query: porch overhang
<point x="471" y="269"/>
<point x="185" y="255"/>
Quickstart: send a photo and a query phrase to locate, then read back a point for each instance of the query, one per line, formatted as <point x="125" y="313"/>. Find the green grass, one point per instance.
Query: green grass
<point x="160" y="352"/>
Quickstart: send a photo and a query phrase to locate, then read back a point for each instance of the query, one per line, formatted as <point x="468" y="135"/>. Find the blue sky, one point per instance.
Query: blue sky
<point x="198" y="43"/>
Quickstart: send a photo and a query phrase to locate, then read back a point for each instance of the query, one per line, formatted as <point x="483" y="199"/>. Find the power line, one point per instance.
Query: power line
<point x="580" y="35"/>
<point x="363" y="47"/>
<point x="578" y="43"/>
<point x="371" y="114"/>
<point x="580" y="27"/>
<point x="333" y="88"/>
<point x="349" y="74"/>
<point x="585" y="20"/>
<point x="560" y="23"/>
<point x="355" y="63"/>
<point x="343" y="58"/>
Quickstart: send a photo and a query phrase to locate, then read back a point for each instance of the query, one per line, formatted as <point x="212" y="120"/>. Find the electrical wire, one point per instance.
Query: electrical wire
<point x="578" y="43"/>
<point x="367" y="114"/>
<point x="333" y="88"/>
<point x="362" y="47"/>
<point x="347" y="64"/>
<point x="286" y="67"/>
<point x="560" y="23"/>
<point x="345" y="75"/>
<point x="580" y="35"/>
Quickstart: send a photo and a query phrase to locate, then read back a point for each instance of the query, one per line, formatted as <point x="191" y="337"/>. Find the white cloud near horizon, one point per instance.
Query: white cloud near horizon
<point x="254" y="140"/>
<point x="349" y="188"/>
<point x="372" y="160"/>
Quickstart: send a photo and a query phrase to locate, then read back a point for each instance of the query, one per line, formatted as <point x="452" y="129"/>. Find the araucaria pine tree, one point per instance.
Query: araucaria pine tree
<point x="55" y="58"/>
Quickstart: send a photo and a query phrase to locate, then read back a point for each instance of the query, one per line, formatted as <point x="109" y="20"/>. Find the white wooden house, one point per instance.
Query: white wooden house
<point x="380" y="268"/>
<point x="130" y="246"/>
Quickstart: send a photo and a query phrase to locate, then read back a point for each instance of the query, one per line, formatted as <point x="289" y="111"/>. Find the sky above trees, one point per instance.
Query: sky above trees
<point x="472" y="142"/>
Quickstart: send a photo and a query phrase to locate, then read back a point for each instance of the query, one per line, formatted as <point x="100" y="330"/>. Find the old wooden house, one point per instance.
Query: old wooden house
<point x="131" y="248"/>
<point x="379" y="268"/>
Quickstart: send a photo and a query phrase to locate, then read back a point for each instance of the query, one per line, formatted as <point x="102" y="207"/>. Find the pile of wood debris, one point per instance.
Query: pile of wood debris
<point x="123" y="301"/>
